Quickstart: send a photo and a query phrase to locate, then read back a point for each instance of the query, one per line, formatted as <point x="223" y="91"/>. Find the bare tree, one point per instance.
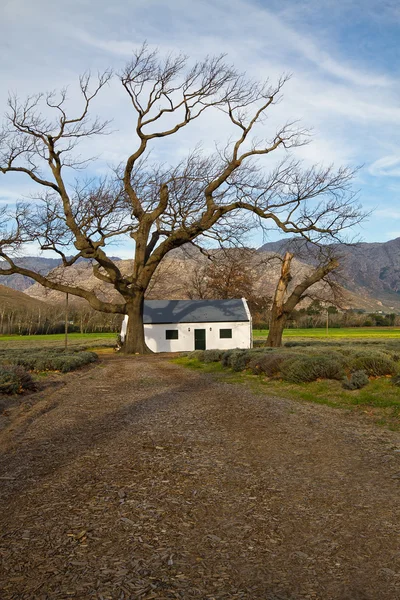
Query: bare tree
<point x="226" y="274"/>
<point x="197" y="285"/>
<point x="160" y="207"/>
<point x="284" y="303"/>
<point x="231" y="273"/>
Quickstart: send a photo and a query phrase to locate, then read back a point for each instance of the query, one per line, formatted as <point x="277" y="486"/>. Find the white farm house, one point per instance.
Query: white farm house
<point x="184" y="325"/>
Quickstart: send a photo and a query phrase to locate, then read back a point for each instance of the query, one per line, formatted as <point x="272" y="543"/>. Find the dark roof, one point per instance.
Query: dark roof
<point x="194" y="311"/>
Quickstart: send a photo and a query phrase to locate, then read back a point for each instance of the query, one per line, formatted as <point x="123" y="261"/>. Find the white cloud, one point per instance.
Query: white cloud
<point x="120" y="48"/>
<point x="387" y="213"/>
<point x="20" y="192"/>
<point x="388" y="166"/>
<point x="124" y="252"/>
<point x="323" y="60"/>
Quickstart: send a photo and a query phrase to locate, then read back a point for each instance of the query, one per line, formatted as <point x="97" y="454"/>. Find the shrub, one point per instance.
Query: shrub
<point x="268" y="364"/>
<point x="210" y="356"/>
<point x="51" y="361"/>
<point x="199" y="354"/>
<point x="311" y="368"/>
<point x="14" y="379"/>
<point x="373" y="363"/>
<point x="358" y="380"/>
<point x="68" y="363"/>
<point x="392" y="352"/>
<point x="235" y="359"/>
<point x="226" y="357"/>
<point x="238" y="360"/>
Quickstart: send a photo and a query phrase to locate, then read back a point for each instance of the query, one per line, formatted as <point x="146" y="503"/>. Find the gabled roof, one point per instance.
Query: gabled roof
<point x="194" y="311"/>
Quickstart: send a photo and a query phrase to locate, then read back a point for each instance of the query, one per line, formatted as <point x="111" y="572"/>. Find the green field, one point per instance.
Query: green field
<point x="88" y="340"/>
<point x="342" y="332"/>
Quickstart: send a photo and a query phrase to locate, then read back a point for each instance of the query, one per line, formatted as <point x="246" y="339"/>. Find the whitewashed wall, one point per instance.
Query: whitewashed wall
<point x="155" y="336"/>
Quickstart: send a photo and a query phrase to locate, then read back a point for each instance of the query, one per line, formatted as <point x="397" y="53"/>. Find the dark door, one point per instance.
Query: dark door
<point x="199" y="339"/>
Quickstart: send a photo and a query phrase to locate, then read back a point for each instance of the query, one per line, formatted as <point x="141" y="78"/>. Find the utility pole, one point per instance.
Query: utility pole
<point x="66" y="322"/>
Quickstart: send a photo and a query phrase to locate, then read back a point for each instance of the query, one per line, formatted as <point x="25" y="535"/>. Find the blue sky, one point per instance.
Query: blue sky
<point x="343" y="56"/>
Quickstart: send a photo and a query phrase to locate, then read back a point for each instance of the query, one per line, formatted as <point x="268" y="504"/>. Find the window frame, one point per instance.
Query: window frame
<point x="172" y="334"/>
<point x="226" y="337"/>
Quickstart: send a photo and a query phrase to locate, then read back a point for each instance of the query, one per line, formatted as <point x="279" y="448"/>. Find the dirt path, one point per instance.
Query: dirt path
<point x="141" y="479"/>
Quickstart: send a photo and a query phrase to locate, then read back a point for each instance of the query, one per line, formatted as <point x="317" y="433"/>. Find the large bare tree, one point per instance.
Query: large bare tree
<point x="161" y="207"/>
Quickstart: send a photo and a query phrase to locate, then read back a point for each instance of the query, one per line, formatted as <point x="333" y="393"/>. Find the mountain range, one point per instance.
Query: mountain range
<point x="370" y="273"/>
<point x="39" y="264"/>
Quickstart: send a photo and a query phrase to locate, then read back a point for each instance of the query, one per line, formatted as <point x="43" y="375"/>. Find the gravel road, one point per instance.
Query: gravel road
<point x="139" y="479"/>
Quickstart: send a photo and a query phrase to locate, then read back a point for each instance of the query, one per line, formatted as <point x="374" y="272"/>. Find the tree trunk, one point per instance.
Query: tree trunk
<point x="276" y="327"/>
<point x="134" y="341"/>
<point x="278" y="315"/>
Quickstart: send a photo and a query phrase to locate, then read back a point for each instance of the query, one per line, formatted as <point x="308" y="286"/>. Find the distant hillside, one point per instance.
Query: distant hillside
<point x="39" y="264"/>
<point x="173" y="279"/>
<point x="169" y="281"/>
<point x="36" y="263"/>
<point x="13" y="299"/>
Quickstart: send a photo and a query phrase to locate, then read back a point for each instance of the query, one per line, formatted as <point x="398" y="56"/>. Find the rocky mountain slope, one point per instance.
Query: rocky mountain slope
<point x="39" y="264"/>
<point x="371" y="271"/>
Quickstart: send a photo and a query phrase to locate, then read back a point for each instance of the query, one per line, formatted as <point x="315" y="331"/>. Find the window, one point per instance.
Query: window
<point x="225" y="333"/>
<point x="171" y="334"/>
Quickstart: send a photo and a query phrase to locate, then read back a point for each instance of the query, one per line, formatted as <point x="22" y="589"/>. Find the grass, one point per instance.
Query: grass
<point x="106" y="338"/>
<point x="57" y="336"/>
<point x="194" y="363"/>
<point x="340" y="332"/>
<point x="56" y="340"/>
<point x="380" y="400"/>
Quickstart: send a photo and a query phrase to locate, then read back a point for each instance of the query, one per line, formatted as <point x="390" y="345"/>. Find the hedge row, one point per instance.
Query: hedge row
<point x="50" y="361"/>
<point x="352" y="366"/>
<point x="6" y="353"/>
<point x="15" y="366"/>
